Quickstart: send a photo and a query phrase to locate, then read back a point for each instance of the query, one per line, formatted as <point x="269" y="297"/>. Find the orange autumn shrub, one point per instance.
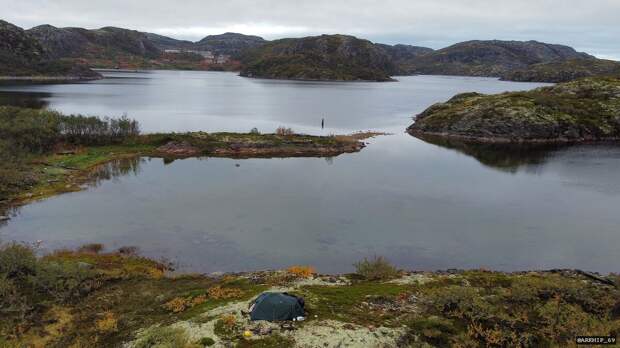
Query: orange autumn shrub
<point x="220" y="293"/>
<point x="177" y="305"/>
<point x="302" y="271"/>
<point x="108" y="323"/>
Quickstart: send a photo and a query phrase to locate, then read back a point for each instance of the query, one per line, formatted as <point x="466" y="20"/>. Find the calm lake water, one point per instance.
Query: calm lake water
<point x="424" y="205"/>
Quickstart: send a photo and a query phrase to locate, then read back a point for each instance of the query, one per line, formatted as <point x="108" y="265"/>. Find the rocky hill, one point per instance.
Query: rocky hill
<point x="18" y="47"/>
<point x="404" y="56"/>
<point x="111" y="47"/>
<point x="325" y="57"/>
<point x="582" y="110"/>
<point x="564" y="70"/>
<point x="22" y="55"/>
<point x="168" y="43"/>
<point x="98" y="43"/>
<point x="491" y="58"/>
<point x="231" y="44"/>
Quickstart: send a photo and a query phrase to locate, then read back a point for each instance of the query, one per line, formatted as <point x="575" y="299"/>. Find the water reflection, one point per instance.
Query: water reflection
<point x="34" y="100"/>
<point x="424" y="206"/>
<point x="6" y="211"/>
<point x="505" y="157"/>
<point x="112" y="170"/>
<point x="115" y="169"/>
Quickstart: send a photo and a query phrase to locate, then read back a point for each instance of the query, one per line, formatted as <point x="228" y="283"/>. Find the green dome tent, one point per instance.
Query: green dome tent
<point x="275" y="306"/>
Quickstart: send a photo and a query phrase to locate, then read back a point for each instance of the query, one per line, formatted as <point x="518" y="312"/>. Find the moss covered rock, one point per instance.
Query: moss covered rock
<point x="582" y="110"/>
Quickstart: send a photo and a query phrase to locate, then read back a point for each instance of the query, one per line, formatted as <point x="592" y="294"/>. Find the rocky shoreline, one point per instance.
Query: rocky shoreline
<point x="120" y="299"/>
<point x="302" y="79"/>
<point x="238" y="148"/>
<point x="69" y="169"/>
<point x="508" y="140"/>
<point x="50" y="78"/>
<point x="581" y="111"/>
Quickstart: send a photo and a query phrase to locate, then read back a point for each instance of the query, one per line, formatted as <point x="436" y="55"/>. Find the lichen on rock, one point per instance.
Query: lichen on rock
<point x="578" y="111"/>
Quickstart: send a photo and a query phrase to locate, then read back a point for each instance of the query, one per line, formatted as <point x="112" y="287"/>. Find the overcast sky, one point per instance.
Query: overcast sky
<point x="592" y="26"/>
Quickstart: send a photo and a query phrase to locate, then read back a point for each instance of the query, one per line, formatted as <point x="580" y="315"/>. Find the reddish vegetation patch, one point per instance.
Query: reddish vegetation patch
<point x="290" y="150"/>
<point x="178" y="149"/>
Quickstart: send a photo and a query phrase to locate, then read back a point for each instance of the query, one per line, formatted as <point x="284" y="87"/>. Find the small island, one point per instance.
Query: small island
<point x="43" y="153"/>
<point x="578" y="111"/>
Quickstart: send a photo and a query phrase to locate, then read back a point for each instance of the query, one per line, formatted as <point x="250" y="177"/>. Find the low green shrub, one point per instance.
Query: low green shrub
<point x="207" y="341"/>
<point x="17" y="261"/>
<point x="377" y="268"/>
<point x="164" y="337"/>
<point x="64" y="281"/>
<point x="433" y="330"/>
<point x="27" y="132"/>
<point x="39" y="131"/>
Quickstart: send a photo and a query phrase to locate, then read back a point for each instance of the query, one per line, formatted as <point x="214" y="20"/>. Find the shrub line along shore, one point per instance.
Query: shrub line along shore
<point x="92" y="298"/>
<point x="44" y="153"/>
<point x="49" y="78"/>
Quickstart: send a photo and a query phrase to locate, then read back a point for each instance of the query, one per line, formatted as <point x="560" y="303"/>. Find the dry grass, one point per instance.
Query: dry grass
<point x="177" y="304"/>
<point x="229" y="320"/>
<point x="220" y="293"/>
<point x="180" y="304"/>
<point x="353" y="137"/>
<point x="93" y="248"/>
<point x="108" y="323"/>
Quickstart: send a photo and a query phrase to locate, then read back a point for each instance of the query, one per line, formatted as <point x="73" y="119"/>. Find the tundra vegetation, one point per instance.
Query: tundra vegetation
<point x="47" y="52"/>
<point x="325" y="57"/>
<point x="23" y="56"/>
<point x="578" y="111"/>
<point x="44" y="152"/>
<point x="90" y="297"/>
<point x="564" y="70"/>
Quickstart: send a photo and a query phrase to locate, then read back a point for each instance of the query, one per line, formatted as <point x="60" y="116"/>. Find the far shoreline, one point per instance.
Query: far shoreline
<point x="49" y="78"/>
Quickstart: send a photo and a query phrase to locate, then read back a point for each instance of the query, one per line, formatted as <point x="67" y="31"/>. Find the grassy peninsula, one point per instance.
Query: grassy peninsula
<point x="578" y="111"/>
<point x="44" y="152"/>
<point x="92" y="298"/>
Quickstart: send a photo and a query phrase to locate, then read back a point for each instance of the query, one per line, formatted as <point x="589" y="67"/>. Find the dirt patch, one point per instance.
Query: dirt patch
<point x="293" y="150"/>
<point x="330" y="333"/>
<point x="178" y="149"/>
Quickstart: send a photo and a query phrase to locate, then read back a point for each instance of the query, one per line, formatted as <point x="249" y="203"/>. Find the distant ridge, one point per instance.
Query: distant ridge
<point x="233" y="44"/>
<point x="490" y="58"/>
<point x="564" y="70"/>
<point x="325" y="57"/>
